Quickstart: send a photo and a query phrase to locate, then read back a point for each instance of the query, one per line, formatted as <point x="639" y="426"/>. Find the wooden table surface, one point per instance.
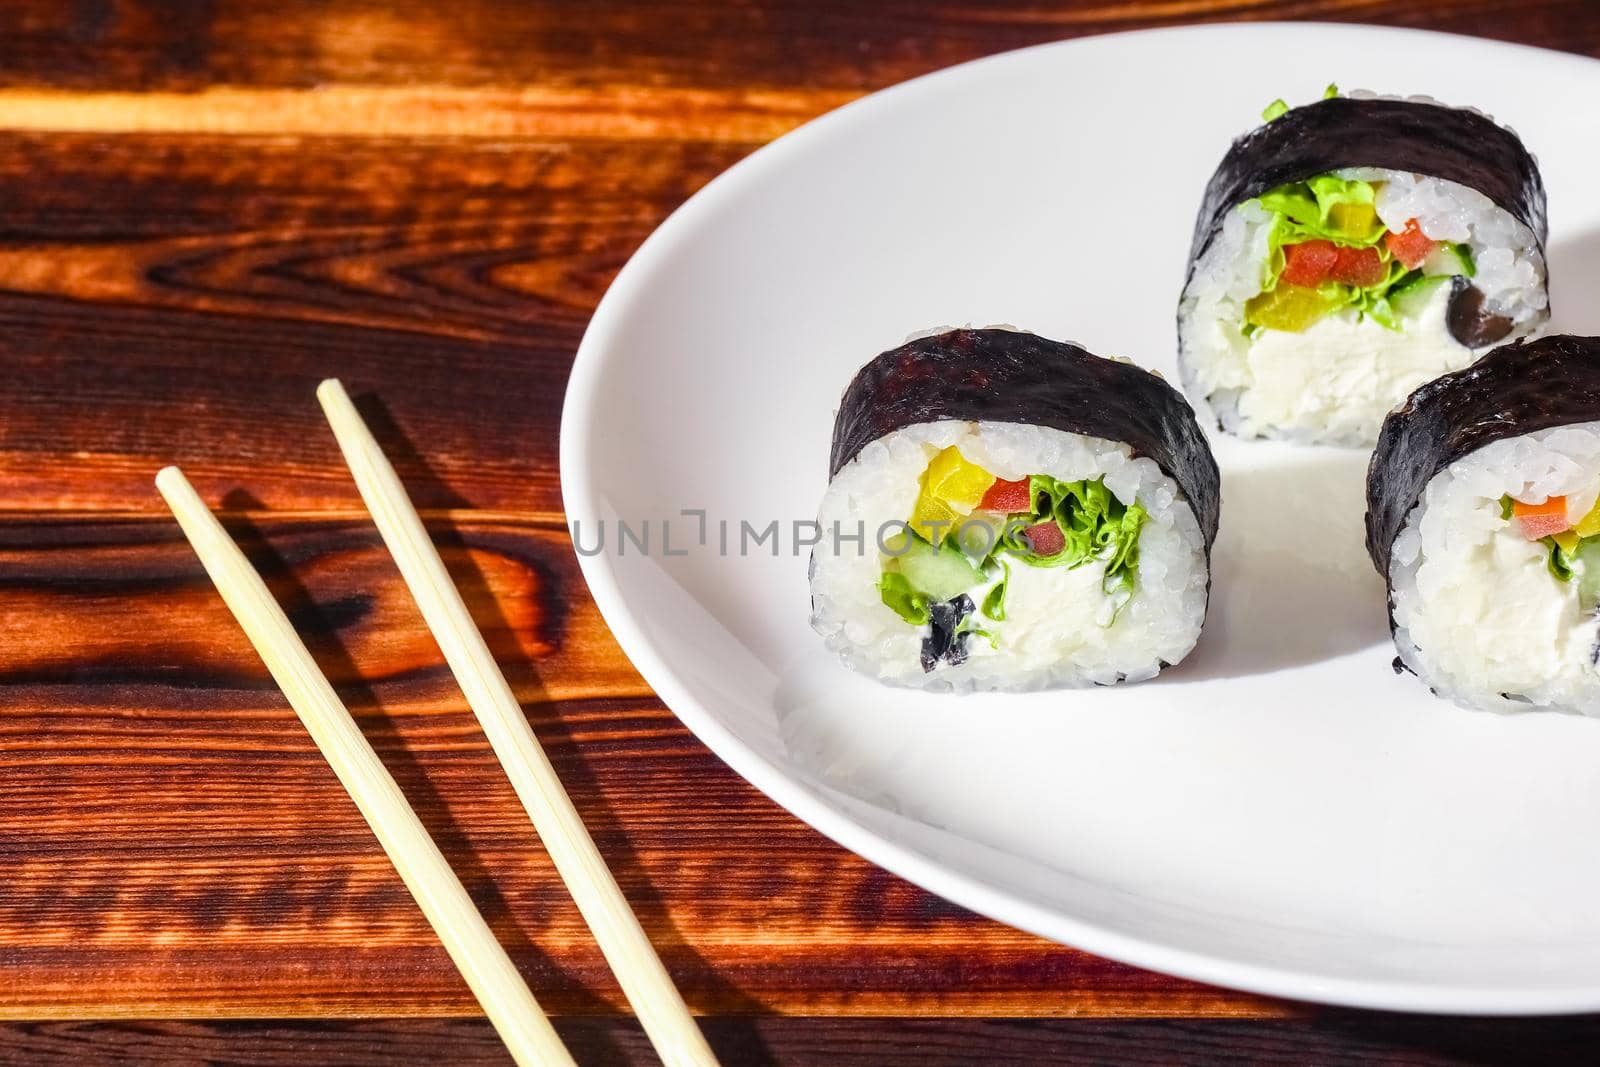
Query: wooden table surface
<point x="207" y="207"/>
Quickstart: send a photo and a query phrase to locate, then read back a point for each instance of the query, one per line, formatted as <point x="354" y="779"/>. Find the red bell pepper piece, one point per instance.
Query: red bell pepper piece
<point x="1007" y="496"/>
<point x="1411" y="246"/>
<point x="1358" y="266"/>
<point x="1538" y="521"/>
<point x="1309" y="263"/>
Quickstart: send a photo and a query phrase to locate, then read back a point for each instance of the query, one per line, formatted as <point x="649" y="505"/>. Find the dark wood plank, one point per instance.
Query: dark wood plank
<point x="207" y="207"/>
<point x="176" y="299"/>
<point x="580" y="43"/>
<point x="621" y="112"/>
<point x="175" y="846"/>
<point x="122" y="604"/>
<point x="1333" y="1040"/>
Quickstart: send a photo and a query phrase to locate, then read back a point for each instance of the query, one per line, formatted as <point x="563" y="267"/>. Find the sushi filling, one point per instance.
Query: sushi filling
<point x="950" y="569"/>
<point x="1497" y="575"/>
<point x="1320" y="304"/>
<point x="1570" y="537"/>
<point x="1328" y="251"/>
<point x="1096" y="578"/>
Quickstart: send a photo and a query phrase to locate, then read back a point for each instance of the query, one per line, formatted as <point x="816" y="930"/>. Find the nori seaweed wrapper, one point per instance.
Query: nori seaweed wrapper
<point x="1006" y="376"/>
<point x="1515" y="390"/>
<point x="1441" y="142"/>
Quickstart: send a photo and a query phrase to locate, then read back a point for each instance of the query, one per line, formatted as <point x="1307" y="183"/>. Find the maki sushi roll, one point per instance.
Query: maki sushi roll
<point x="1010" y="512"/>
<point x="1483" y="514"/>
<point x="1350" y="250"/>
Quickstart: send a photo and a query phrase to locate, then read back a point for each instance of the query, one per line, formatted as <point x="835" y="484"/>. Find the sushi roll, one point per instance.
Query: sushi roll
<point x="1350" y="250"/>
<point x="1010" y="512"/>
<point x="1483" y="514"/>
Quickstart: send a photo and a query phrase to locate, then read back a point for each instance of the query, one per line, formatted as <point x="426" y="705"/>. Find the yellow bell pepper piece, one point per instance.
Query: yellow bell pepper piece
<point x="952" y="479"/>
<point x="1355" y="221"/>
<point x="1589" y="525"/>
<point x="1568" y="540"/>
<point x="1290" y="308"/>
<point x="951" y="488"/>
<point x="932" y="519"/>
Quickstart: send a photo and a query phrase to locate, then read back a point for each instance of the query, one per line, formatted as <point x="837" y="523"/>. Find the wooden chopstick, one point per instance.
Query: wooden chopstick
<point x="644" y="980"/>
<point x="489" y="972"/>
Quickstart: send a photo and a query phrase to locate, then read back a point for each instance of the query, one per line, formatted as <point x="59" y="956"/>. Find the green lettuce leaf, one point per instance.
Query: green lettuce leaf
<point x="1586" y="555"/>
<point x="1120" y="537"/>
<point x="1279" y="107"/>
<point x="1376" y="301"/>
<point x="1297" y="206"/>
<point x="994" y="604"/>
<point x="969" y="626"/>
<point x="1094" y="524"/>
<point x="897" y="593"/>
<point x="1317" y="210"/>
<point x="1557" y="559"/>
<point x="1560" y="565"/>
<point x="1326" y="208"/>
<point x="1333" y="192"/>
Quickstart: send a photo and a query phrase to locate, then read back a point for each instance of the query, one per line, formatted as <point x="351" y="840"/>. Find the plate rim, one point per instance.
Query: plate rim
<point x="579" y="409"/>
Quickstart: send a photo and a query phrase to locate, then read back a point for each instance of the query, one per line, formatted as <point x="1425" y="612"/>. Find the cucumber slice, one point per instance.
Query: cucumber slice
<point x="1410" y="298"/>
<point x="1588" y="555"/>
<point x="938" y="573"/>
<point x="976" y="535"/>
<point x="1447" y="261"/>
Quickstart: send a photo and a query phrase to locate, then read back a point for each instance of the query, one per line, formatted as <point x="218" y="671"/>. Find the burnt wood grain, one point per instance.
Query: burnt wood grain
<point x="148" y="45"/>
<point x="1338" y="1039"/>
<point x="207" y="207"/>
<point x="176" y="846"/>
<point x="169" y="299"/>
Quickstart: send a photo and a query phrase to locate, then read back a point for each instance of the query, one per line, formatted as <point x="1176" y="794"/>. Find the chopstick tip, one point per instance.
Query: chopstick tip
<point x="331" y="389"/>
<point x="174" y="488"/>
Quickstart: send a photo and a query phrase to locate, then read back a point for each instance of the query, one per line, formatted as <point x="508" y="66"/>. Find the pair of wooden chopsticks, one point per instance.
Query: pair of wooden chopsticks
<point x="494" y="980"/>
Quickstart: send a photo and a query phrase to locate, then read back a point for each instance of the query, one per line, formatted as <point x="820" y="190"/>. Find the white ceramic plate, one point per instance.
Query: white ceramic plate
<point x="1281" y="813"/>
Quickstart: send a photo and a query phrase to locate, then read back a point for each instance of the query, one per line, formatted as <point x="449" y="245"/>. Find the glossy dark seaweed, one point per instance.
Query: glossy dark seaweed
<point x="945" y="642"/>
<point x="1470" y="322"/>
<point x="1005" y="376"/>
<point x="1442" y="142"/>
<point x="1514" y="390"/>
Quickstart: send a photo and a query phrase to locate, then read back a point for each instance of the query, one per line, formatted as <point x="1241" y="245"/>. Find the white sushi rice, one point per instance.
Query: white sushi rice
<point x="1055" y="632"/>
<point x="1334" y="382"/>
<point x="1478" y="615"/>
